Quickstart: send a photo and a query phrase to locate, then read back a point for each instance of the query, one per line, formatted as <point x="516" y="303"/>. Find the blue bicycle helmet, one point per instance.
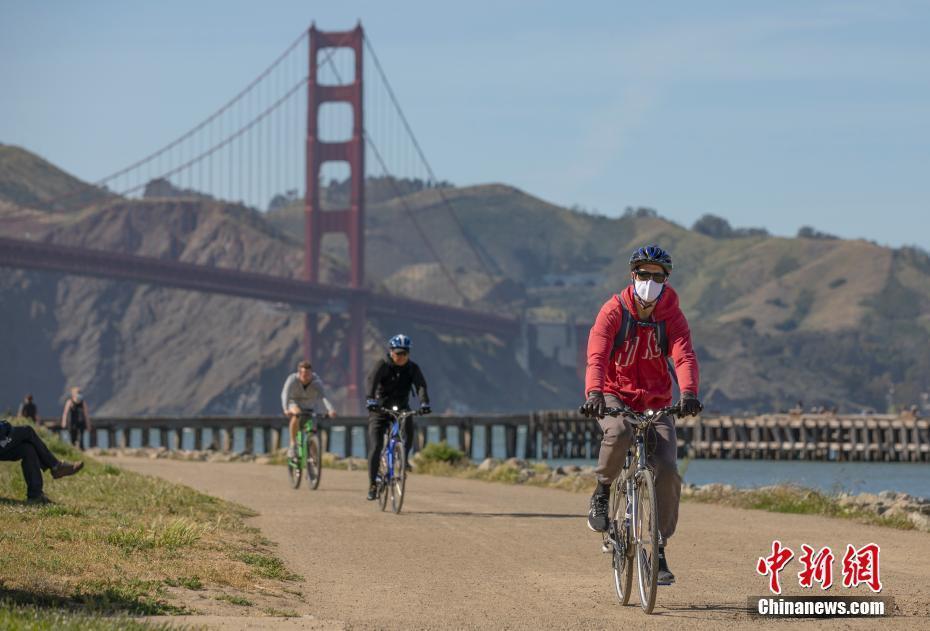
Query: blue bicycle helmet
<point x="651" y="254"/>
<point x="400" y="341"/>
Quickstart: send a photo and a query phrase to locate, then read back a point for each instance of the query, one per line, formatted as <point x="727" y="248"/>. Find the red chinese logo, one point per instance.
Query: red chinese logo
<point x="817" y="567"/>
<point x="771" y="565"/>
<point x="861" y="566"/>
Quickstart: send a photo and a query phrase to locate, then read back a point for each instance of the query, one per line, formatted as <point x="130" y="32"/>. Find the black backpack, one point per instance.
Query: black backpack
<point x="628" y="326"/>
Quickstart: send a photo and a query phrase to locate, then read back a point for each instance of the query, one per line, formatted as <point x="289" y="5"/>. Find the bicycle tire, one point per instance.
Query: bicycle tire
<point x="294" y="471"/>
<point x="399" y="482"/>
<point x="621" y="558"/>
<point x="314" y="450"/>
<point x="646" y="533"/>
<point x="383" y="478"/>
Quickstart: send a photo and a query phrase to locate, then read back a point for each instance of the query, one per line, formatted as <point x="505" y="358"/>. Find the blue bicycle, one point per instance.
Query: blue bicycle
<point x="392" y="472"/>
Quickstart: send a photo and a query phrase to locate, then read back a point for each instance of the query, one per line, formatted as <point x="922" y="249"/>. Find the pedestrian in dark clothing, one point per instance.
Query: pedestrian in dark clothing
<point x="28" y="409"/>
<point x="76" y="417"/>
<point x="22" y="443"/>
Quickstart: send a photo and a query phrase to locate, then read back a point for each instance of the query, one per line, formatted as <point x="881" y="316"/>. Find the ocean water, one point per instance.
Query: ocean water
<point x="854" y="477"/>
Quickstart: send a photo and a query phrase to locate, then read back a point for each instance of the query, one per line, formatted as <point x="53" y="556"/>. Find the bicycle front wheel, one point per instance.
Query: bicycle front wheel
<point x="383" y="480"/>
<point x="646" y="534"/>
<point x="314" y="461"/>
<point x="294" y="470"/>
<point x="399" y="482"/>
<point x="623" y="554"/>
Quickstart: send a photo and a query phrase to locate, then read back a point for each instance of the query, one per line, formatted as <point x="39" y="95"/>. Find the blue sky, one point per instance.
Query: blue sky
<point x="769" y="114"/>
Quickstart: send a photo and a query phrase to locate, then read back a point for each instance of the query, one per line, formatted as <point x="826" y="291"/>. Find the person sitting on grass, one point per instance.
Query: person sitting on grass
<point x="20" y="442"/>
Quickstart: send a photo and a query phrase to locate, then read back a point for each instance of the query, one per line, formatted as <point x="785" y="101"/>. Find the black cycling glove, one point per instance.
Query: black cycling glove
<point x="425" y="409"/>
<point x="690" y="406"/>
<point x="372" y="405"/>
<point x="594" y="406"/>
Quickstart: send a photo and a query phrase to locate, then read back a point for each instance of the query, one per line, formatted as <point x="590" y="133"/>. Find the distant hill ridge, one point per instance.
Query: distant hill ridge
<point x="775" y="319"/>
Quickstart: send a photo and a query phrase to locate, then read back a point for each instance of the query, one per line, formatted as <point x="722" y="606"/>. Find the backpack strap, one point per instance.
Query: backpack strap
<point x="627" y="326"/>
<point x="662" y="337"/>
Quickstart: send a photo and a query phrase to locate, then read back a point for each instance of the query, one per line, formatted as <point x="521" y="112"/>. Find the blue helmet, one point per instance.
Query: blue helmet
<point x="400" y="341"/>
<point x="651" y="254"/>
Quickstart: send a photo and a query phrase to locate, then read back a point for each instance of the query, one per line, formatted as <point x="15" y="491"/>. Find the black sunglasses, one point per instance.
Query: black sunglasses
<point x="659" y="277"/>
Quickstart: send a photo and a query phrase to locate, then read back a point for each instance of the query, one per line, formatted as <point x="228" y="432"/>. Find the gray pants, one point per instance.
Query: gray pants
<point x="663" y="445"/>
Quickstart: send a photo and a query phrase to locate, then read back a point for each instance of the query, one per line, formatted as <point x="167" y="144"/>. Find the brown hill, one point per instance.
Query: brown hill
<point x="828" y="321"/>
<point x="774" y="319"/>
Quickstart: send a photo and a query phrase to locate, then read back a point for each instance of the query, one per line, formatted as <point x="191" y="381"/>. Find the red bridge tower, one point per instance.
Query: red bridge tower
<point x="351" y="220"/>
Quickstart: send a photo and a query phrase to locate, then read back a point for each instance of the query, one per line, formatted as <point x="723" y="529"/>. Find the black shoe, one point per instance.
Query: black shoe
<point x="372" y="493"/>
<point x="39" y="499"/>
<point x="597" y="515"/>
<point x="408" y="467"/>
<point x="66" y="468"/>
<point x="665" y="575"/>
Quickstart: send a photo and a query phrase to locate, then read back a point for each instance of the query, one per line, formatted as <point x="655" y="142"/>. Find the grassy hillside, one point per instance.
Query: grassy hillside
<point x="29" y="181"/>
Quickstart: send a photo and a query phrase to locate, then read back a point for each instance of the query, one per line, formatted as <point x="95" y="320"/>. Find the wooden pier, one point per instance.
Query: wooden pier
<point x="876" y="438"/>
<point x="558" y="435"/>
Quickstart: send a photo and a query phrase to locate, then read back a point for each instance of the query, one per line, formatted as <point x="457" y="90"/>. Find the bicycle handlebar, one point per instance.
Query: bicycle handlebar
<point x="674" y="410"/>
<point x="398" y="414"/>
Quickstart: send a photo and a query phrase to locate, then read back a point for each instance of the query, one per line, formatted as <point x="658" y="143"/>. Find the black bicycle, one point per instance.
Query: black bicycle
<point x="308" y="453"/>
<point x="633" y="532"/>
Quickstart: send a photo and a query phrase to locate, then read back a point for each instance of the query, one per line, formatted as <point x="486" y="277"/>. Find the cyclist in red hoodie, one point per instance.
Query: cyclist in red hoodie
<point x="635" y="372"/>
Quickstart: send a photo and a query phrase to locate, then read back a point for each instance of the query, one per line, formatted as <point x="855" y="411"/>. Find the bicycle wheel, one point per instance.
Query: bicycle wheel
<point x="314" y="461"/>
<point x="383" y="480"/>
<point x="399" y="482"/>
<point x="294" y="470"/>
<point x="622" y="558"/>
<point x="646" y="534"/>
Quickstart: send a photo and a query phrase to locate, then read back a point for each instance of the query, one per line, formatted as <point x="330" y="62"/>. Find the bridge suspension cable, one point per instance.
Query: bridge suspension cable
<point x="483" y="258"/>
<point x="401" y="197"/>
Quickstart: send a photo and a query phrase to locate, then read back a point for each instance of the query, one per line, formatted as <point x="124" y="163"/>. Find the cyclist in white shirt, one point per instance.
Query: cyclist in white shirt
<point x="303" y="392"/>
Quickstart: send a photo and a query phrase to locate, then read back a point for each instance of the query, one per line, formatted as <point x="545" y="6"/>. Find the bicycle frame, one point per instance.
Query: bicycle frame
<point x="642" y="423"/>
<point x="306" y="428"/>
<point x="394" y="437"/>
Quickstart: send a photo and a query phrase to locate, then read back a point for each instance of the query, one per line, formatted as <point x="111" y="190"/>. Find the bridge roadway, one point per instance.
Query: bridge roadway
<point x="466" y="554"/>
<point x="23" y="254"/>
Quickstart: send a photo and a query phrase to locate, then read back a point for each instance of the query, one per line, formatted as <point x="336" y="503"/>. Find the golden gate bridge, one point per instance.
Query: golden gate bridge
<point x="323" y="113"/>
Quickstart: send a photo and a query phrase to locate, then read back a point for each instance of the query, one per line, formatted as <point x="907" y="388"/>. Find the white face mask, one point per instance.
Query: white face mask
<point x="648" y="290"/>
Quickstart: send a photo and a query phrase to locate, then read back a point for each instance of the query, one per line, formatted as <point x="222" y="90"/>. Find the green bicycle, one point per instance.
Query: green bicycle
<point x="309" y="453"/>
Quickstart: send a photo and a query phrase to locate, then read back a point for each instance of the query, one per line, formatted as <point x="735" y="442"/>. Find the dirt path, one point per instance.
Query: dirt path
<point x="467" y="554"/>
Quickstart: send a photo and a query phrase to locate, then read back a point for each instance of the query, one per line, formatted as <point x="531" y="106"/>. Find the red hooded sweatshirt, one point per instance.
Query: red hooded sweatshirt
<point x="638" y="372"/>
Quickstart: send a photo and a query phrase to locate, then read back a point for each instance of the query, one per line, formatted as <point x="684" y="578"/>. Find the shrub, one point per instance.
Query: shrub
<point x="440" y="452"/>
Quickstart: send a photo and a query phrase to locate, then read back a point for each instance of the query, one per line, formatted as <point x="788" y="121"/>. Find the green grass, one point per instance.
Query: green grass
<point x="281" y="613"/>
<point x="36" y="618"/>
<point x="236" y="600"/>
<point x="797" y="500"/>
<point x="113" y="541"/>
<point x="268" y="566"/>
<point x="190" y="582"/>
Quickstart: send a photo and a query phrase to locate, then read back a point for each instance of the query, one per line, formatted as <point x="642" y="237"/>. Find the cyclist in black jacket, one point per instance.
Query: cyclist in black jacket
<point x="389" y="385"/>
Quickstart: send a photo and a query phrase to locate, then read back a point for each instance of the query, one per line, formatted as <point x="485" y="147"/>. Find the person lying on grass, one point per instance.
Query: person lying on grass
<point x="22" y="443"/>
